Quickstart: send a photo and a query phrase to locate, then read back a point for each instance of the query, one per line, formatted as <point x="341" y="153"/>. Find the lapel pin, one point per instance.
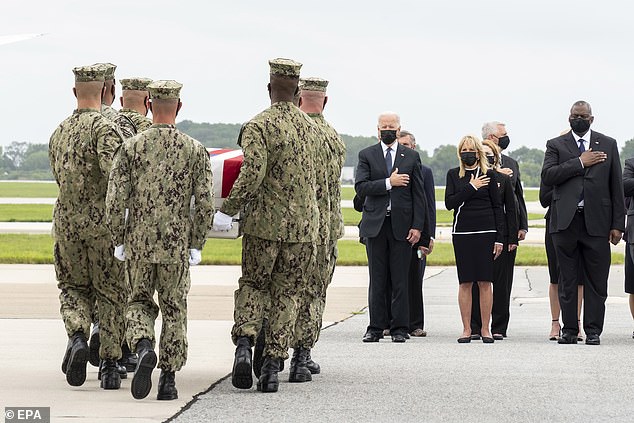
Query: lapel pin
<point x="402" y="155"/>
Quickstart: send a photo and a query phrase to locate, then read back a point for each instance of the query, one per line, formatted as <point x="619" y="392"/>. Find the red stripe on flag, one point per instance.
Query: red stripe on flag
<point x="230" y="173"/>
<point x="219" y="151"/>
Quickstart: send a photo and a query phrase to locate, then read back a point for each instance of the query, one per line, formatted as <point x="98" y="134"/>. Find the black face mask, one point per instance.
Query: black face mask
<point x="579" y="126"/>
<point x="468" y="158"/>
<point x="504" y="142"/>
<point x="491" y="160"/>
<point x="388" y="136"/>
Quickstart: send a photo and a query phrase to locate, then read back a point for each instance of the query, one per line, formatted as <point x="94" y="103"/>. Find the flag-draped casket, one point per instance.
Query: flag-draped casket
<point x="225" y="166"/>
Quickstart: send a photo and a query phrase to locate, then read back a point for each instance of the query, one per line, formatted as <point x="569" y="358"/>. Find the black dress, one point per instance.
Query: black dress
<point x="478" y="223"/>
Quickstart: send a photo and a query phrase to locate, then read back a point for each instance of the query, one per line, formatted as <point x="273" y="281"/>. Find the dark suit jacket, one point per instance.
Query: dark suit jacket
<point x="408" y="203"/>
<point x="602" y="186"/>
<point x="509" y="201"/>
<point x="628" y="190"/>
<point x="516" y="183"/>
<point x="430" y="198"/>
<point x="545" y="197"/>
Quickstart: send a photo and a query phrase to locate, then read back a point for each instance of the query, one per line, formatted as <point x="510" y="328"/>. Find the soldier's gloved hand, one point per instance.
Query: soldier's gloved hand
<point x="222" y="222"/>
<point x="119" y="252"/>
<point x="194" y="257"/>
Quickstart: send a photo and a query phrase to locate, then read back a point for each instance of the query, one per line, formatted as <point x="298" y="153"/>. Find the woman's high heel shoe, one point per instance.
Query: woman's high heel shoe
<point x="555" y="337"/>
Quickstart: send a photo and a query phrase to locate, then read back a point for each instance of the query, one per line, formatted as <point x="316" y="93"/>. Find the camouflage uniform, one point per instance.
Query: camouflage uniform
<point x="330" y="159"/>
<point x="109" y="112"/>
<point x="132" y="122"/>
<point x="155" y="175"/>
<point x="81" y="151"/>
<point x="277" y="187"/>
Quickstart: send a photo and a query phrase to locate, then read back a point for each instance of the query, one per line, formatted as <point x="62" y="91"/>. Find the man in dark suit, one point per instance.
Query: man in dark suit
<point x="419" y="255"/>
<point x="628" y="236"/>
<point x="389" y="177"/>
<point x="587" y="211"/>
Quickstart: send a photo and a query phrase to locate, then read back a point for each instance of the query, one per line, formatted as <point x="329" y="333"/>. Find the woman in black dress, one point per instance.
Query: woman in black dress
<point x="478" y="225"/>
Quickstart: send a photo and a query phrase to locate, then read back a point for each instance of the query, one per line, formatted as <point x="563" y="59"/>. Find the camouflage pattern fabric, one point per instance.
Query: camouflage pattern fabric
<point x="109" y="112"/>
<point x="276" y="184"/>
<point x="87" y="270"/>
<point x="81" y="151"/>
<point x="336" y="156"/>
<point x="141" y="123"/>
<point x="171" y="282"/>
<point x="273" y="273"/>
<point x="313" y="299"/>
<point x="156" y="175"/>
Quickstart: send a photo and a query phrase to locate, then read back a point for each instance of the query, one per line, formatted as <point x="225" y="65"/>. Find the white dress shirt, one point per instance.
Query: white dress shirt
<point x="388" y="185"/>
<point x="586" y="145"/>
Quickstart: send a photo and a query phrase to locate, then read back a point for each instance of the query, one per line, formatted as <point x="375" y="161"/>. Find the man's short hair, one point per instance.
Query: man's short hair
<point x="582" y="103"/>
<point x="408" y="134"/>
<point x="490" y="128"/>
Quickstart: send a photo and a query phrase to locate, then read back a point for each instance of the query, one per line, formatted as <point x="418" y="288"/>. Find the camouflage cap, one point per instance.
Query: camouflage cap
<point x="109" y="69"/>
<point x="163" y="90"/>
<point x="285" y="67"/>
<point x="89" y="73"/>
<point x="313" y="84"/>
<point x="139" y="84"/>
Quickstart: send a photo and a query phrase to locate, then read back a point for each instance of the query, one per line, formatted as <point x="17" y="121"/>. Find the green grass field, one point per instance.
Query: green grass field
<point x="28" y="190"/>
<point x="38" y="249"/>
<point x="26" y="212"/>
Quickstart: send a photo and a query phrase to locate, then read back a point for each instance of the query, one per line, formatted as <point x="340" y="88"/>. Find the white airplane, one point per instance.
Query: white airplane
<point x="8" y="39"/>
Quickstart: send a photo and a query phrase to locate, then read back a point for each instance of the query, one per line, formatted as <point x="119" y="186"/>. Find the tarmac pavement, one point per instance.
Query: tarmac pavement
<point x="432" y="379"/>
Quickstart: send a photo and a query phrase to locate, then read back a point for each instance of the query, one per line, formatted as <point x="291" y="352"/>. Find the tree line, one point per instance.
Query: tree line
<point x="23" y="160"/>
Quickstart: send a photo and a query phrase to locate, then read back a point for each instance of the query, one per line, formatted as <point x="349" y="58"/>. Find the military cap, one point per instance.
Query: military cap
<point x="285" y="67"/>
<point x="89" y="73"/>
<point x="313" y="84"/>
<point x="163" y="90"/>
<point x="139" y="84"/>
<point x="109" y="69"/>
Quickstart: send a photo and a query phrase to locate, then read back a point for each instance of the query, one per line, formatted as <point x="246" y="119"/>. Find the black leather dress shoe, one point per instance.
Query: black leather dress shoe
<point x="77" y="359"/>
<point x="167" y="386"/>
<point x="567" y="338"/>
<point x="398" y="337"/>
<point x="372" y="337"/>
<point x="142" y="379"/>
<point x="593" y="340"/>
<point x="241" y="375"/>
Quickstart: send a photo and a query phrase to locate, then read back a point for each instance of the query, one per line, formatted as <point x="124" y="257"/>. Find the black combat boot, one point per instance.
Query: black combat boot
<point x="123" y="373"/>
<point x="167" y="386"/>
<point x="311" y="365"/>
<point x="241" y="376"/>
<point x="142" y="379"/>
<point x="128" y="358"/>
<point x="298" y="371"/>
<point x="258" y="350"/>
<point x="77" y="359"/>
<point x="95" y="343"/>
<point x="110" y="378"/>
<point x="268" y="381"/>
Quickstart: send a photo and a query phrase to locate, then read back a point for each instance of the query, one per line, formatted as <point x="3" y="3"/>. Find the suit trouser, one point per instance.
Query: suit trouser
<point x="388" y="256"/>
<point x="313" y="299"/>
<point x="171" y="282"/>
<point x="274" y="274"/>
<point x="572" y="245"/>
<point x="87" y="270"/>
<point x="415" y="291"/>
<point x="503" y="268"/>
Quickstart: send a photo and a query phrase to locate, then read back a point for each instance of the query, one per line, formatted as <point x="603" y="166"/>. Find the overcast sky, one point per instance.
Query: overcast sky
<point x="445" y="66"/>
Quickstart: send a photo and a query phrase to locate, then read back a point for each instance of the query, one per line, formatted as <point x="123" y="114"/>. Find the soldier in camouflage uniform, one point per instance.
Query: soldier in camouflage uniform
<point x="106" y="100"/>
<point x="156" y="175"/>
<point x="135" y="102"/>
<point x="111" y="93"/>
<point x="81" y="151"/>
<point x="330" y="158"/>
<point x="277" y="187"/>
